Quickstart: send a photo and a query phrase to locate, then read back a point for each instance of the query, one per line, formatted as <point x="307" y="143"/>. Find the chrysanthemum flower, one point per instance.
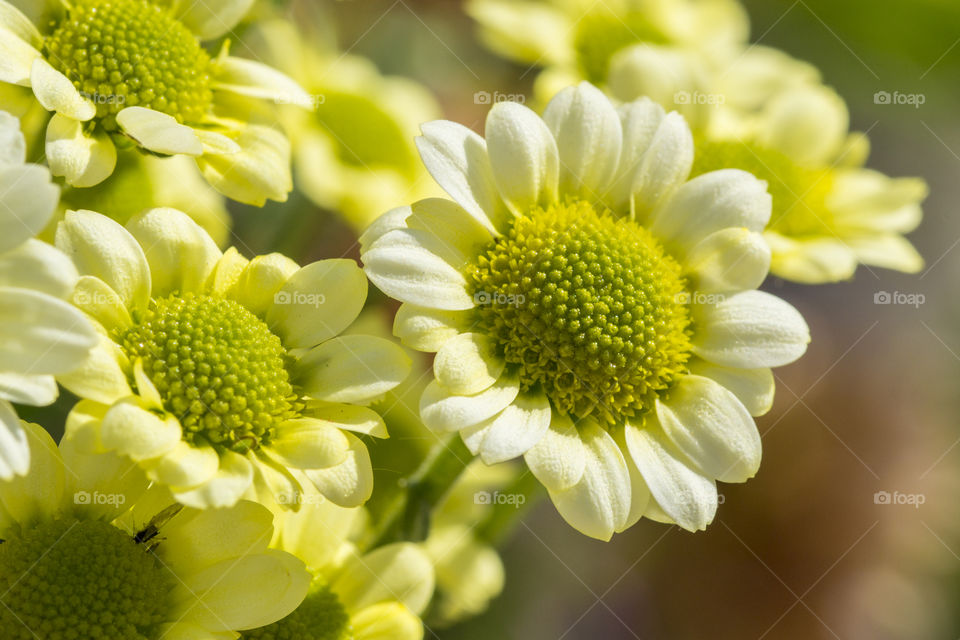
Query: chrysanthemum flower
<point x="354" y="152"/>
<point x="41" y="334"/>
<point x="354" y="596"/>
<point x="96" y="65"/>
<point x="591" y="310"/>
<point x="576" y="39"/>
<point x="769" y="114"/>
<point x="88" y="552"/>
<point x="221" y="376"/>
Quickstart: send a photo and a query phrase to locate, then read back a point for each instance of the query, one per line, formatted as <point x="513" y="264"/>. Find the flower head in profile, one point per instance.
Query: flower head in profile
<point x="134" y="73"/>
<point x="590" y="308"/>
<point x="767" y="113"/>
<point x="577" y="39"/>
<point x="89" y="551"/>
<point x="377" y="595"/>
<point x="224" y="377"/>
<point x="41" y="334"/>
<point x="354" y="152"/>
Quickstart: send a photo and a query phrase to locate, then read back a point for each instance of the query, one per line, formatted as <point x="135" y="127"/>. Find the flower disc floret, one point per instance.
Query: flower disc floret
<point x="590" y="308"/>
<point x="218" y="368"/>
<point x="126" y="53"/>
<point x="321" y="616"/>
<point x="67" y="578"/>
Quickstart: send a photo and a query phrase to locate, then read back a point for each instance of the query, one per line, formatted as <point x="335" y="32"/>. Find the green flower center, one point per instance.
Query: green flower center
<point x="587" y="307"/>
<point x="320" y="616"/>
<point x="126" y="53"/>
<point x="602" y="33"/>
<point x="799" y="193"/>
<point x="68" y="578"/>
<point x="218" y="367"/>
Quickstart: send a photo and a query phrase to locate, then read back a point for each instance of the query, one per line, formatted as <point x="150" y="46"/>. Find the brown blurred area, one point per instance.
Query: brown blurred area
<point x="804" y="550"/>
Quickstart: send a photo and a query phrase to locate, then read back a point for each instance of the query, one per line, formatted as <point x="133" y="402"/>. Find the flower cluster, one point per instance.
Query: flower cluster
<point x="586" y="279"/>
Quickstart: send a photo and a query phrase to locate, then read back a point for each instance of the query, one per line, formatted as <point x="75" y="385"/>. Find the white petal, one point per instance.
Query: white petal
<point x="275" y="580"/>
<point x="39" y="266"/>
<point x="260" y="171"/>
<point x="100" y="376"/>
<point x="203" y="538"/>
<point x="442" y="410"/>
<point x="352" y="368"/>
<point x="427" y="329"/>
<point x="257" y="284"/>
<point x="559" y="458"/>
<point x="664" y="166"/>
<point x="102" y="248"/>
<point x="588" y="136"/>
<point x="687" y="497"/>
<point x="750" y="330"/>
<point x="232" y="479"/>
<point x="732" y="259"/>
<point x="753" y="387"/>
<point x="457" y="159"/>
<point x="712" y="427"/>
<point x="403" y="264"/>
<point x="16" y="58"/>
<point x="55" y="92"/>
<point x="33" y="390"/>
<point x="350" y="417"/>
<point x="306" y="443"/>
<point x="517" y="428"/>
<point x="186" y="466"/>
<point x="390" y="221"/>
<point x="98" y="299"/>
<point x="83" y="159"/>
<point x="28" y="199"/>
<point x="807" y="123"/>
<point x="451" y="222"/>
<point x="13" y="146"/>
<point x="889" y="251"/>
<point x="257" y="80"/>
<point x="639" y="120"/>
<point x="138" y="433"/>
<point x="350" y="483"/>
<point x="37" y="494"/>
<point x="387" y="621"/>
<point x="52" y="336"/>
<point x="16" y="22"/>
<point x="159" y="132"/>
<point x="399" y="572"/>
<point x="599" y="503"/>
<point x="318" y="302"/>
<point x="523" y="156"/>
<point x="710" y="202"/>
<point x="180" y="253"/>
<point x="811" y="261"/>
<point x="14" y="447"/>
<point x="210" y="19"/>
<point x="468" y="363"/>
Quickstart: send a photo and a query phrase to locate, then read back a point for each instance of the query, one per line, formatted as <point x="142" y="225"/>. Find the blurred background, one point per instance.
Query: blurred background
<point x="812" y="547"/>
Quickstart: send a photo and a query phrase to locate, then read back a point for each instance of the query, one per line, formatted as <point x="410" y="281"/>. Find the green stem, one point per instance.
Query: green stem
<point x="408" y="515"/>
<point x="519" y="497"/>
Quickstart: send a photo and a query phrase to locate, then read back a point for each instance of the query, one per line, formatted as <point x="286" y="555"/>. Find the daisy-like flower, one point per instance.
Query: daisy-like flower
<point x="591" y="309"/>
<point x="576" y="39"/>
<point x="354" y="152"/>
<point x="89" y="552"/>
<point x="353" y="596"/>
<point x="133" y="72"/>
<point x="769" y="114"/>
<point x="221" y="376"/>
<point x="41" y="334"/>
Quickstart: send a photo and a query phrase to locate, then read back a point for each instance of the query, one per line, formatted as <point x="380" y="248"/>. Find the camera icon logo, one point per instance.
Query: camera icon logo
<point x="882" y="297"/>
<point x="681" y="97"/>
<point x="482" y="297"/>
<point x="482" y="97"/>
<point x="281" y="297"/>
<point x="882" y="97"/>
<point x="881" y="497"/>
<point x="482" y="497"/>
<point x="81" y="497"/>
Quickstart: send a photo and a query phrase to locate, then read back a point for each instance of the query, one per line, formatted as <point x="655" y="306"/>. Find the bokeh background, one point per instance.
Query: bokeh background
<point x="807" y="549"/>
